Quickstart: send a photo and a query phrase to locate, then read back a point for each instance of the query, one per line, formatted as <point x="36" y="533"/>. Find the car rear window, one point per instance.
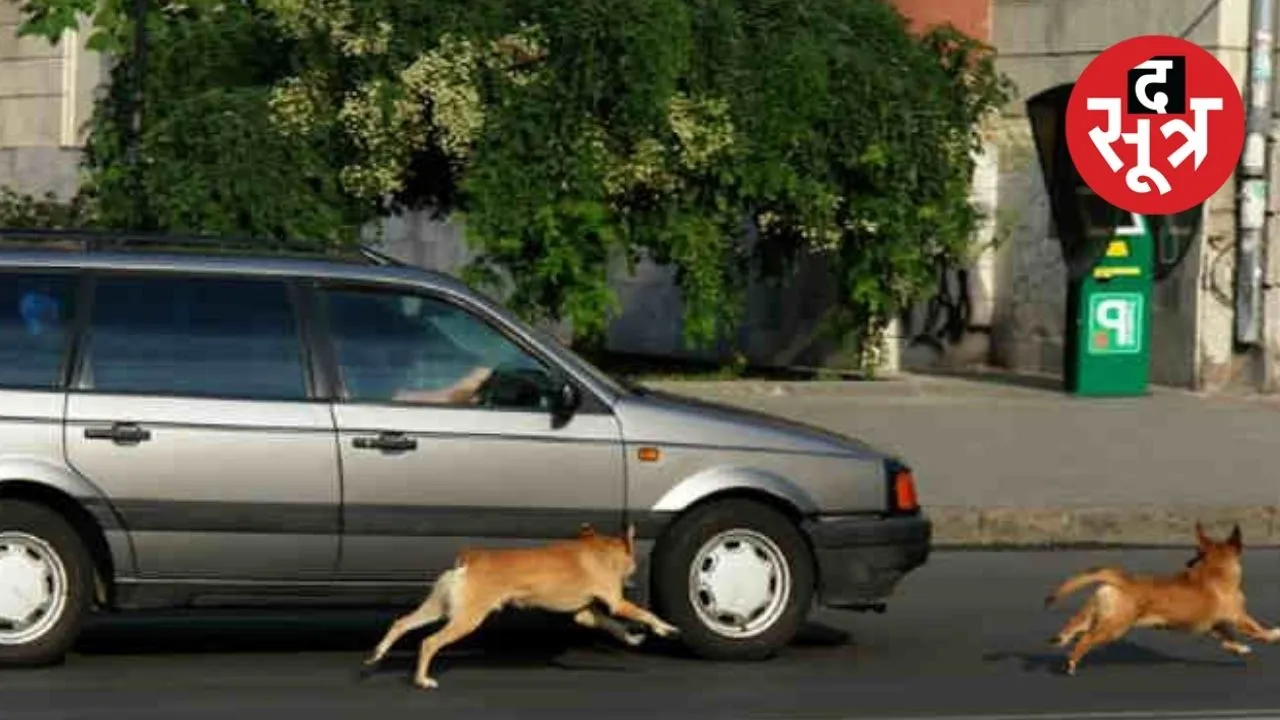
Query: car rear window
<point x="36" y="309"/>
<point x="195" y="336"/>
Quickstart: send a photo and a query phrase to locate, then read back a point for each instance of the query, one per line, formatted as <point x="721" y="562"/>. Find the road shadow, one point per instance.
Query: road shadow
<point x="322" y="631"/>
<point x="522" y="637"/>
<point x="228" y="632"/>
<point x="818" y="635"/>
<point x="1121" y="652"/>
<point x="512" y="649"/>
<point x="555" y="653"/>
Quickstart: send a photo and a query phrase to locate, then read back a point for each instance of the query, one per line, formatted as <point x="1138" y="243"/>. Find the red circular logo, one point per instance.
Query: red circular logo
<point x="1155" y="125"/>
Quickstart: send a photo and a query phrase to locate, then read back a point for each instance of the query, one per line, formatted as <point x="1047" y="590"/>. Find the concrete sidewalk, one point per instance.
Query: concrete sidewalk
<point x="1018" y="465"/>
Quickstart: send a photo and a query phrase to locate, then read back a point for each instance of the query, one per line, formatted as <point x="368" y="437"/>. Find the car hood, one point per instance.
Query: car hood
<point x="661" y="417"/>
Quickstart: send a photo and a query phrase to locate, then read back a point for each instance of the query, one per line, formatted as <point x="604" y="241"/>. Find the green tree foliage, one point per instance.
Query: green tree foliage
<point x="210" y="157"/>
<point x="570" y="135"/>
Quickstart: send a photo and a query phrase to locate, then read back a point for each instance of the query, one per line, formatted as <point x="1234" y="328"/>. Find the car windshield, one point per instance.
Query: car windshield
<point x="618" y="385"/>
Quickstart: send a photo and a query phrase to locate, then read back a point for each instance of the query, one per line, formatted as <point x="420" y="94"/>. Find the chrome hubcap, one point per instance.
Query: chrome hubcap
<point x="33" y="588"/>
<point x="739" y="583"/>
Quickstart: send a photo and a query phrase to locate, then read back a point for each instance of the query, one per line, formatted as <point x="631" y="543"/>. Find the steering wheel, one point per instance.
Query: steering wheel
<point x="512" y="386"/>
<point x="484" y="394"/>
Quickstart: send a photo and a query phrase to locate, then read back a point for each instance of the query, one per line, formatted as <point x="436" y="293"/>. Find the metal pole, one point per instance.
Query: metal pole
<point x="1252" y="218"/>
<point x="1270" y="289"/>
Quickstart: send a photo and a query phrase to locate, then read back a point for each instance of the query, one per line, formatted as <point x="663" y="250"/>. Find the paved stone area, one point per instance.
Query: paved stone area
<point x="1019" y="462"/>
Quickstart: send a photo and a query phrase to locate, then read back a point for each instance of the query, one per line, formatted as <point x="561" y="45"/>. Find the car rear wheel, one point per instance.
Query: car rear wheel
<point x="46" y="582"/>
<point x="736" y="577"/>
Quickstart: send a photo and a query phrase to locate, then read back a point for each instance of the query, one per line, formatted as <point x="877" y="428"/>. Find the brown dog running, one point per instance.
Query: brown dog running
<point x="1205" y="598"/>
<point x="568" y="576"/>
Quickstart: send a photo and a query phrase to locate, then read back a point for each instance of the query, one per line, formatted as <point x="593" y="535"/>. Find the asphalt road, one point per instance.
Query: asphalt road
<point x="965" y="637"/>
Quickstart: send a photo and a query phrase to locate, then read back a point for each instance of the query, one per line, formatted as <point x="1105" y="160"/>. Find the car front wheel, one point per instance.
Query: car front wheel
<point x="45" y="584"/>
<point x="736" y="577"/>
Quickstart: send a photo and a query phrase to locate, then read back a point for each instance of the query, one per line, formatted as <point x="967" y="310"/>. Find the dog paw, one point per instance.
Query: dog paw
<point x="633" y="639"/>
<point x="665" y="630"/>
<point x="372" y="660"/>
<point x="426" y="683"/>
<point x="1237" y="648"/>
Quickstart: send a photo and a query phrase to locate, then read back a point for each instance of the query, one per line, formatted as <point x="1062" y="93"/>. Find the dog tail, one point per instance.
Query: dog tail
<point x="1092" y="576"/>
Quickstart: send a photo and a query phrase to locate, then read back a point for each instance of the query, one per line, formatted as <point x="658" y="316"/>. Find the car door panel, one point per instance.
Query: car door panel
<point x="191" y="411"/>
<point x="220" y="488"/>
<point x="476" y="477"/>
<point x="422" y="478"/>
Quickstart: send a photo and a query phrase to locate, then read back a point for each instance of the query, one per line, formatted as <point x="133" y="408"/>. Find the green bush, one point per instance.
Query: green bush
<point x="570" y="135"/>
<point x="48" y="211"/>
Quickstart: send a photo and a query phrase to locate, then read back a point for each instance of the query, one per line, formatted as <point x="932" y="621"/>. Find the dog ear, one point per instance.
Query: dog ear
<point x="1202" y="540"/>
<point x="1236" y="541"/>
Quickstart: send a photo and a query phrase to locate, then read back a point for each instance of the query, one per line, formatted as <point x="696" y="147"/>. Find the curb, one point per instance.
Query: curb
<point x="906" y="385"/>
<point x="901" y="387"/>
<point x="1142" y="526"/>
<point x="789" y="388"/>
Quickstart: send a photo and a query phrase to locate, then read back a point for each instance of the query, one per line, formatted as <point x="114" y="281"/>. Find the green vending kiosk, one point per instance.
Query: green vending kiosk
<point x="1109" y="313"/>
<point x="1113" y="259"/>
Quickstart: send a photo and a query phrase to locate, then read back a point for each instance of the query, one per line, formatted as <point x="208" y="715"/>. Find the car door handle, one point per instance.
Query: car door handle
<point x="386" y="441"/>
<point x="119" y="433"/>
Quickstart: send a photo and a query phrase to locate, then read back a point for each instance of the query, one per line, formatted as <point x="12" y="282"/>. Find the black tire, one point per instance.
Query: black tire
<point x="47" y="526"/>
<point x="672" y="564"/>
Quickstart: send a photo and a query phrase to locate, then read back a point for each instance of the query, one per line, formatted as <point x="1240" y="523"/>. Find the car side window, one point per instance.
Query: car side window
<point x="195" y="336"/>
<point x="35" y="321"/>
<point x="395" y="347"/>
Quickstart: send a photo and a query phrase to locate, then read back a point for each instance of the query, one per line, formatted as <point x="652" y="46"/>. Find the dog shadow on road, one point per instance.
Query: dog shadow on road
<point x="555" y="644"/>
<point x="556" y="656"/>
<point x="508" y="653"/>
<point x="1121" y="652"/>
<point x="529" y="639"/>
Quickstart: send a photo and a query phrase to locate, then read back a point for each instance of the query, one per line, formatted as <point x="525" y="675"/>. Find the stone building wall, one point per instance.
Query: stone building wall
<point x="46" y="97"/>
<point x="1044" y="43"/>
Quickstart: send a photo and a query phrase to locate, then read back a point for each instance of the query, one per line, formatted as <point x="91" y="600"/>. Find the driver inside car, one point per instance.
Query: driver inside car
<point x="435" y="356"/>
<point x="392" y="349"/>
<point x="461" y="392"/>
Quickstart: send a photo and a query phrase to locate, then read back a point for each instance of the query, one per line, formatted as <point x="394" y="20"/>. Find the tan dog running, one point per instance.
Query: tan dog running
<point x="568" y="576"/>
<point x="1205" y="598"/>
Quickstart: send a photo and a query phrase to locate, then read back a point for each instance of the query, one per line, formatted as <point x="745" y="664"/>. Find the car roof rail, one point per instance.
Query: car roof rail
<point x="84" y="240"/>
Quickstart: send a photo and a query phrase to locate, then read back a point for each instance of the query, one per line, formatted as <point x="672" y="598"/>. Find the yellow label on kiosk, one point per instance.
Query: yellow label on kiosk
<point x="1110" y="272"/>
<point x="1118" y="249"/>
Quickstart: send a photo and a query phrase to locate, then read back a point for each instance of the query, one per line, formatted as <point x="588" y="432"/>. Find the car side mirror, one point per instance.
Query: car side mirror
<point x="565" y="400"/>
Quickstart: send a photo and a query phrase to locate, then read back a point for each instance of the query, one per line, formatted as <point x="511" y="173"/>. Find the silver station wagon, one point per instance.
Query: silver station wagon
<point x="190" y="426"/>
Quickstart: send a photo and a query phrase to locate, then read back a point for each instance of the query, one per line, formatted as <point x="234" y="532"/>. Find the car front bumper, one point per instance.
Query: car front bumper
<point x="861" y="559"/>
